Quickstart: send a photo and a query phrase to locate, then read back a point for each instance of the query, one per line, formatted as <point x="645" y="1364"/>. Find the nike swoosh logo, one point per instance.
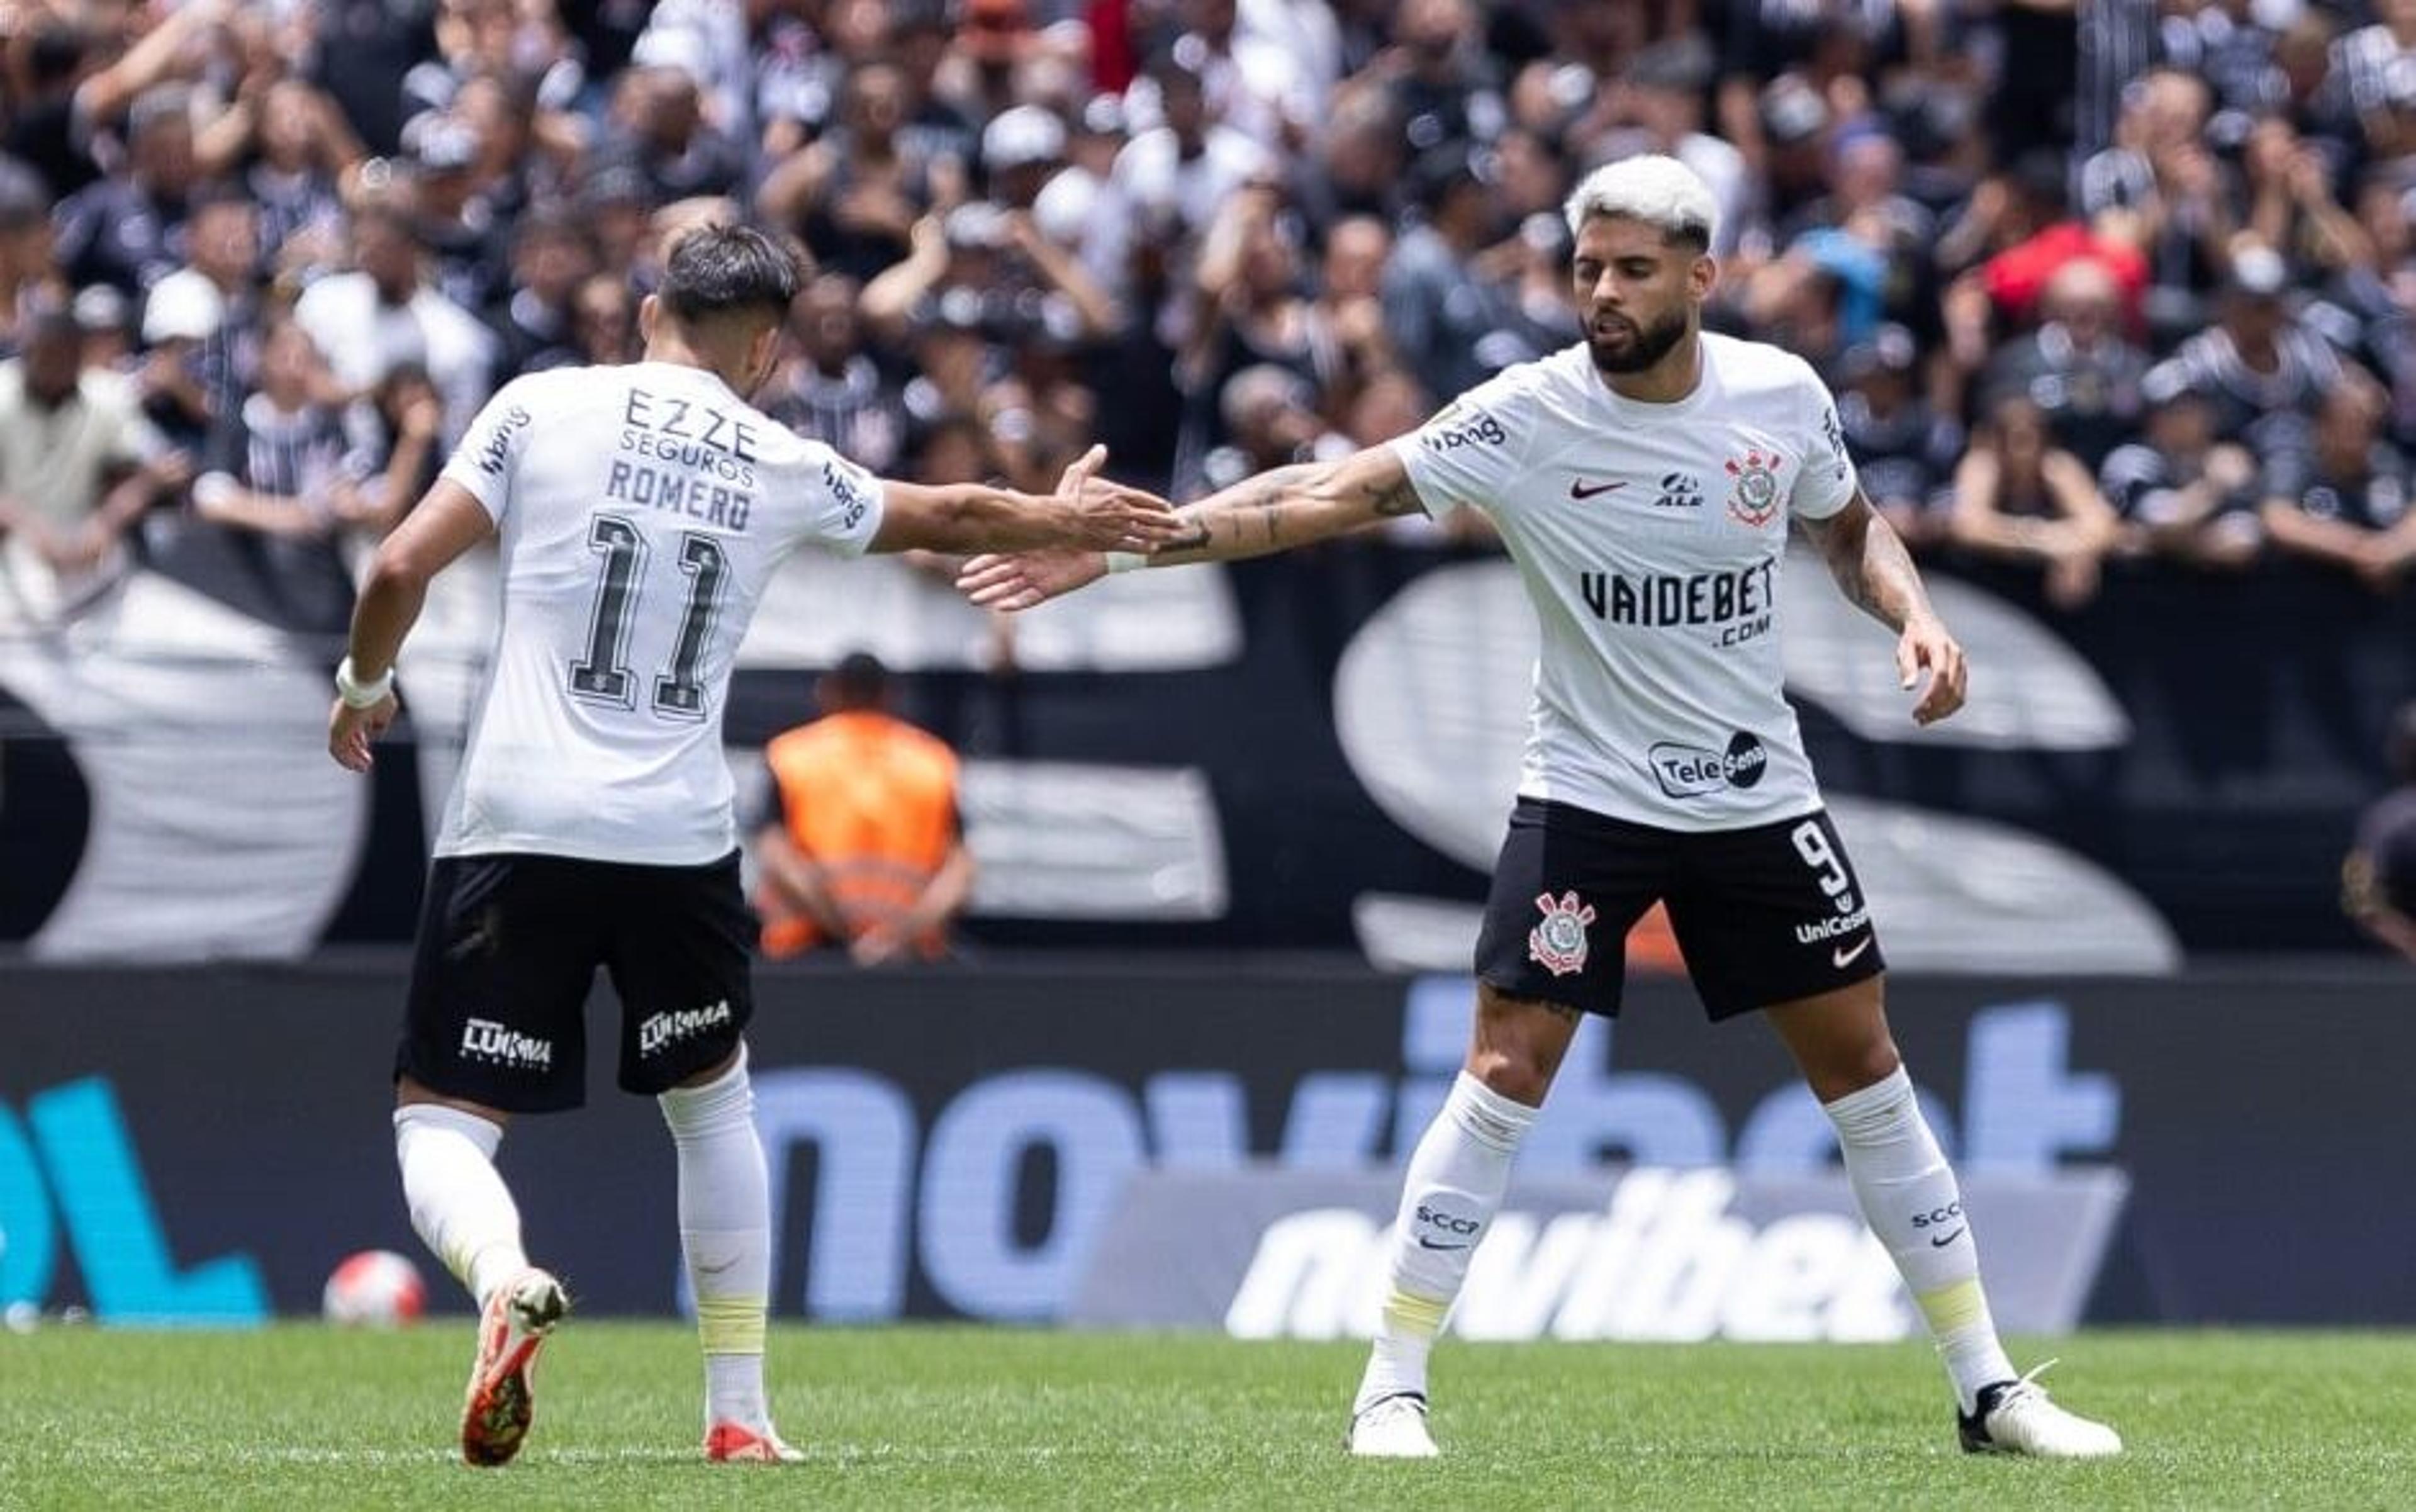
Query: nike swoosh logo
<point x="1842" y="957"/>
<point x="1429" y="1243"/>
<point x="1583" y="490"/>
<point x="1940" y="1243"/>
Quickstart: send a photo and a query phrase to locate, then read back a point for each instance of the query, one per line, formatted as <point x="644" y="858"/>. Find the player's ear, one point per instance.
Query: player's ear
<point x="649" y="310"/>
<point x="763" y="351"/>
<point x="1704" y="276"/>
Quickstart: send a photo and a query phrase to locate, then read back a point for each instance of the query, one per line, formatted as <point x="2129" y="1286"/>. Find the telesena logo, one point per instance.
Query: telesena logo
<point x="1692" y="772"/>
<point x="668" y="1028"/>
<point x="483" y="1039"/>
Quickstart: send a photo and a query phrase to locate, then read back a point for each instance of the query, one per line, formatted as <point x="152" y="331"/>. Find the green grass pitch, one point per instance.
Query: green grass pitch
<point x="301" y="1418"/>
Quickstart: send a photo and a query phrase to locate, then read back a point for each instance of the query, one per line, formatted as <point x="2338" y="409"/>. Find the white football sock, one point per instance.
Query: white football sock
<point x="1454" y="1182"/>
<point x="725" y="1218"/>
<point x="1909" y="1199"/>
<point x="460" y="1206"/>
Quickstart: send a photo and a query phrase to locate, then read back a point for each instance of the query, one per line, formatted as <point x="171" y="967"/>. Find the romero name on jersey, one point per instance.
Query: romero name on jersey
<point x="642" y="510"/>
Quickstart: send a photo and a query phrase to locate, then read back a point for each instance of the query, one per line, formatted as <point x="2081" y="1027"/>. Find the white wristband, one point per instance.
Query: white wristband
<point x="356" y="694"/>
<point x="1126" y="561"/>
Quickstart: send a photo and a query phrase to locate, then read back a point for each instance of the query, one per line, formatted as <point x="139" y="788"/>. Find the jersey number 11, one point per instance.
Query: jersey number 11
<point x="603" y="676"/>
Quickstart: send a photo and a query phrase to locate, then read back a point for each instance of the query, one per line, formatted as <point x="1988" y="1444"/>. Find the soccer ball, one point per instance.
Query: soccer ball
<point x="376" y="1288"/>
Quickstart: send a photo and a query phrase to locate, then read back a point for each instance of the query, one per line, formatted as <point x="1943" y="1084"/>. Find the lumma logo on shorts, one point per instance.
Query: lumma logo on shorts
<point x="1692" y="772"/>
<point x="483" y="1039"/>
<point x="665" y="1029"/>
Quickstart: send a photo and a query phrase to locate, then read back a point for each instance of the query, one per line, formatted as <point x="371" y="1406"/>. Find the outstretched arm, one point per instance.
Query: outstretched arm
<point x="1085" y="512"/>
<point x="1275" y="512"/>
<point x="1875" y="573"/>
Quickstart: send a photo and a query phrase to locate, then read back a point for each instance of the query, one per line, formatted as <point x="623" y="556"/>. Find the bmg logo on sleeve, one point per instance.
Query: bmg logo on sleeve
<point x="498" y="448"/>
<point x="1462" y="426"/>
<point x="1692" y="772"/>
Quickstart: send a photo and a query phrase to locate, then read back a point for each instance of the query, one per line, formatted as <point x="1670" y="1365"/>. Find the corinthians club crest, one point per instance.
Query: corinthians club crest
<point x="1753" y="498"/>
<point x="1559" y="943"/>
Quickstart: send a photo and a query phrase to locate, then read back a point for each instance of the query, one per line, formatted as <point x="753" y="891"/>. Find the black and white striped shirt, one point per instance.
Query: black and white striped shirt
<point x="2268" y="410"/>
<point x="855" y="413"/>
<point x="2118" y="43"/>
<point x="2377" y="71"/>
<point x="291" y="454"/>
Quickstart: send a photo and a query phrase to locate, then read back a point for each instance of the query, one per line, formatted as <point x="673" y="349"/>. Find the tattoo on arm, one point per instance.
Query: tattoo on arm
<point x="1267" y="490"/>
<point x="1891" y="586"/>
<point x="1270" y="512"/>
<point x="1393" y="499"/>
<point x="1198" y="540"/>
<point x="1872" y="567"/>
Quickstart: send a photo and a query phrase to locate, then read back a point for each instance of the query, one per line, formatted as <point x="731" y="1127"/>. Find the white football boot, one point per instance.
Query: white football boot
<point x="2016" y="1417"/>
<point x="1394" y="1428"/>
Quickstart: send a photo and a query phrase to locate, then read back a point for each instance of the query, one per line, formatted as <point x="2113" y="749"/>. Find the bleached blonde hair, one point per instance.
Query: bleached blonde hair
<point x="1656" y="190"/>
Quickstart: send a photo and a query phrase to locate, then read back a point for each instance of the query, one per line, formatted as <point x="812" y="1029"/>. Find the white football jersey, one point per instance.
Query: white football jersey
<point x="1651" y="538"/>
<point x="642" y="511"/>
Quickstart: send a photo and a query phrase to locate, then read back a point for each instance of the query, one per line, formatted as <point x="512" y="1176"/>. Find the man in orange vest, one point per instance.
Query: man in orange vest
<point x="867" y="852"/>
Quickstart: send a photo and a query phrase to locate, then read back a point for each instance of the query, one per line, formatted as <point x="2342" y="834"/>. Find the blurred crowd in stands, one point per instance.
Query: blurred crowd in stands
<point x="2095" y="279"/>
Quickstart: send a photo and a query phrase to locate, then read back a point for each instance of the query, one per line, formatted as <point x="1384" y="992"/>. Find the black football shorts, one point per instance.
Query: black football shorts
<point x="508" y="947"/>
<point x="1764" y="915"/>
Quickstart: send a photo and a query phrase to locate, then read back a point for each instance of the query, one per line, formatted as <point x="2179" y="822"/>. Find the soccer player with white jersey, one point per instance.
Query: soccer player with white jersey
<point x="1643" y="482"/>
<point x="642" y="511"/>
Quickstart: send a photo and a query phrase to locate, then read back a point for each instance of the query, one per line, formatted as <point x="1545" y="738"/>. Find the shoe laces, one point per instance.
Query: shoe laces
<point x="1388" y="1408"/>
<point x="2026" y="1386"/>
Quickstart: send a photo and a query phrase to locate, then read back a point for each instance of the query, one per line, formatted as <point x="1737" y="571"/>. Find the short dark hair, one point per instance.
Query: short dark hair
<point x="859" y="681"/>
<point x="725" y="270"/>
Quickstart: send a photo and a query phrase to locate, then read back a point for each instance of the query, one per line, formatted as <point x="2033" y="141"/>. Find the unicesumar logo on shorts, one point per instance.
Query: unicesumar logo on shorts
<point x="1559" y="943"/>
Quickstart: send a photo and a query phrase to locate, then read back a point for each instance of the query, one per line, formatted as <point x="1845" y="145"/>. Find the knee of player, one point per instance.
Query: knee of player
<point x="1517" y="1072"/>
<point x="1851" y="1067"/>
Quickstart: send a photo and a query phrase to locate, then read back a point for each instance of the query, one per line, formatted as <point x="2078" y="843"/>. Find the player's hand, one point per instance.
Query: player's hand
<point x="351" y="730"/>
<point x="1925" y="646"/>
<point x="1108" y="516"/>
<point x="878" y="946"/>
<point x="1027" y="578"/>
